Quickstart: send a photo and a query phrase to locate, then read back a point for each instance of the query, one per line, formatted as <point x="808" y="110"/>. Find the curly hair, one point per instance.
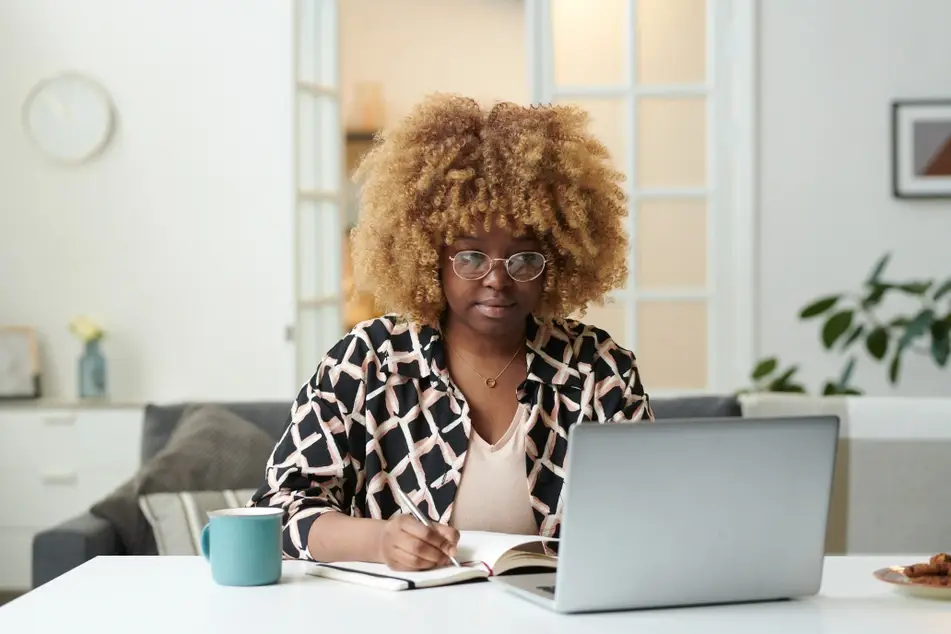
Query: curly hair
<point x="451" y="164"/>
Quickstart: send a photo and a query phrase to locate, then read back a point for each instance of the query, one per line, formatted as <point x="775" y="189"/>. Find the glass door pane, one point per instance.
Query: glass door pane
<point x="318" y="234"/>
<point x="672" y="343"/>
<point x="671" y="142"/>
<point x="589" y="45"/>
<point x="319" y="140"/>
<point x="671" y="244"/>
<point x="671" y="41"/>
<point x="317" y="42"/>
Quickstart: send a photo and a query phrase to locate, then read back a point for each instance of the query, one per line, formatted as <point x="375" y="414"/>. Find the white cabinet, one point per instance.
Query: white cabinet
<point x="56" y="460"/>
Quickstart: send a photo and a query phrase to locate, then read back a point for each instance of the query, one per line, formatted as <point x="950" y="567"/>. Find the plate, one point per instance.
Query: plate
<point x="895" y="575"/>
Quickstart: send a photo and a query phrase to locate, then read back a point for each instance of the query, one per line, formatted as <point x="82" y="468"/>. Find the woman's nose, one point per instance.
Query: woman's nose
<point x="498" y="277"/>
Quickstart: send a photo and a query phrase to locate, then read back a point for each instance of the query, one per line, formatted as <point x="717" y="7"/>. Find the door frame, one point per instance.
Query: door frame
<point x="744" y="130"/>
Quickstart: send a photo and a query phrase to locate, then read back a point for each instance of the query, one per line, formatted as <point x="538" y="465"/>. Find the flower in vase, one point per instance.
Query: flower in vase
<point x="86" y="329"/>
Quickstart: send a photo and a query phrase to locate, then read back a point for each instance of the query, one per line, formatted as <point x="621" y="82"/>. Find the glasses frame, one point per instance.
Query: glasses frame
<point x="492" y="262"/>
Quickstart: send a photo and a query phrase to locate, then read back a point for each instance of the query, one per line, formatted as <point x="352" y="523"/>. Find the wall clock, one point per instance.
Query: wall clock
<point x="19" y="363"/>
<point x="69" y="117"/>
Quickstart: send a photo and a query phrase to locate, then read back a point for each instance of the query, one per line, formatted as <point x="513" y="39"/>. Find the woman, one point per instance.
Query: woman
<point x="480" y="233"/>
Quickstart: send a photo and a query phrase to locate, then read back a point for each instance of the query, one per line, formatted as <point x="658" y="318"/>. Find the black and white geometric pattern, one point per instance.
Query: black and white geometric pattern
<point x="381" y="411"/>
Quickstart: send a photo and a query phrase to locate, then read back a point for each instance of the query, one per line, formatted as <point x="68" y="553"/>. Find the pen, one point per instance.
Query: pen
<point x="419" y="515"/>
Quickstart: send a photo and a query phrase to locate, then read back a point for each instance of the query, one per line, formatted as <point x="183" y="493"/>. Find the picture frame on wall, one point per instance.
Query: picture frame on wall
<point x="921" y="148"/>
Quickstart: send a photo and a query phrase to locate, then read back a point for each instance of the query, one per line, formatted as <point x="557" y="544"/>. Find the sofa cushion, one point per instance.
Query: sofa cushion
<point x="714" y="406"/>
<point x="777" y="404"/>
<point x="161" y="420"/>
<point x="211" y="449"/>
<point x="177" y="519"/>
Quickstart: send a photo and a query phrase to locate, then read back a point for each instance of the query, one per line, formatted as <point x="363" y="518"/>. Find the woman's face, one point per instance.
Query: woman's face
<point x="493" y="303"/>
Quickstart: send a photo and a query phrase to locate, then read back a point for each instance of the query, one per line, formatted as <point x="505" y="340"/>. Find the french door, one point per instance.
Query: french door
<point x="655" y="78"/>
<point x="318" y="165"/>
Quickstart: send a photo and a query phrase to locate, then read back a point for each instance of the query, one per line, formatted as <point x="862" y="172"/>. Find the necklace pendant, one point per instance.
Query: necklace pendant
<point x="490" y="382"/>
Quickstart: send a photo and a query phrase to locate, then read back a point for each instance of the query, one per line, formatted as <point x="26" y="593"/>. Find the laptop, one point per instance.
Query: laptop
<point x="690" y="512"/>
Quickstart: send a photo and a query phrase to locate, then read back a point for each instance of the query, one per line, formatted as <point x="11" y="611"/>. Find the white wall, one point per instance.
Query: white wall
<point x="828" y="72"/>
<point x="178" y="238"/>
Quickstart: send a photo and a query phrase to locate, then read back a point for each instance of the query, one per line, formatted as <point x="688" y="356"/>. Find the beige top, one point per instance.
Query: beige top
<point x="493" y="493"/>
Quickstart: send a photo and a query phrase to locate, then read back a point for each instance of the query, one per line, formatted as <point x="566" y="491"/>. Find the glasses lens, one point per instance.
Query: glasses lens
<point x="470" y="265"/>
<point x="524" y="267"/>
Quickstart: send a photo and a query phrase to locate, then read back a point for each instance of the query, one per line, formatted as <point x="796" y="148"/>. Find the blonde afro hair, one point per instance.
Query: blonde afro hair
<point x="451" y="164"/>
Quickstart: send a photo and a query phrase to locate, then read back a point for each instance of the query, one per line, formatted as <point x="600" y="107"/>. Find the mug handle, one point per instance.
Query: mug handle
<point x="206" y="542"/>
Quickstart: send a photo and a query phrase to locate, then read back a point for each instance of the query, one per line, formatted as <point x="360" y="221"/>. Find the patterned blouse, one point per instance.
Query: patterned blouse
<point x="382" y="411"/>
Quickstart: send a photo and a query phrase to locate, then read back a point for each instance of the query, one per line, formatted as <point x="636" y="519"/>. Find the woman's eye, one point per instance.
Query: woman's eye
<point x="471" y="259"/>
<point x="528" y="260"/>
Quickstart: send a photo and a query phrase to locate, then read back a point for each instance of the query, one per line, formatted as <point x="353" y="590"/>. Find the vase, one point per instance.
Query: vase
<point x="92" y="371"/>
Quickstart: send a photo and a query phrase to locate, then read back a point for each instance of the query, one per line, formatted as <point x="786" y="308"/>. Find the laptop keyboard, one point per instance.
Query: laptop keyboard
<point x="548" y="589"/>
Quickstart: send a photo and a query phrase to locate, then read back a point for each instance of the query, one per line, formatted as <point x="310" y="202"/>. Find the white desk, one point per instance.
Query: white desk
<point x="149" y="595"/>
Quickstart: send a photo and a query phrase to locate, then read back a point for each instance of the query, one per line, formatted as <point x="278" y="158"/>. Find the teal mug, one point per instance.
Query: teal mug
<point x="243" y="546"/>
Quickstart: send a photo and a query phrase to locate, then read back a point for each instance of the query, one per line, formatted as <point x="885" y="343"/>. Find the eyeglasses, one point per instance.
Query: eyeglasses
<point x="521" y="267"/>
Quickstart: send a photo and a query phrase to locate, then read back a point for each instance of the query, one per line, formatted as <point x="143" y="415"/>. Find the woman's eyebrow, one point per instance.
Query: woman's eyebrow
<point x="523" y="241"/>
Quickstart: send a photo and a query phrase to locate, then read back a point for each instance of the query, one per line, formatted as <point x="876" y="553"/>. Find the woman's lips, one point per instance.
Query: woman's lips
<point x="494" y="310"/>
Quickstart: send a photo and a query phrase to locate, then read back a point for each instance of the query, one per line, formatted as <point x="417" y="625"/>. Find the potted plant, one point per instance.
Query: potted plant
<point x="856" y="322"/>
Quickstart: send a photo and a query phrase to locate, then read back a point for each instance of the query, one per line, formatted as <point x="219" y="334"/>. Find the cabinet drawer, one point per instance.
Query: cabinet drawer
<point x="69" y="440"/>
<point x="44" y="499"/>
<point x="16" y="554"/>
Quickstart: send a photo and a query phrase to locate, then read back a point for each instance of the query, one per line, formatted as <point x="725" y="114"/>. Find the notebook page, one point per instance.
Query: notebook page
<point x="380" y="575"/>
<point x="487" y="547"/>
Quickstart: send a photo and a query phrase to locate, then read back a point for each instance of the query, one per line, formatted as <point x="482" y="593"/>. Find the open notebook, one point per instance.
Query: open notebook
<point x="480" y="554"/>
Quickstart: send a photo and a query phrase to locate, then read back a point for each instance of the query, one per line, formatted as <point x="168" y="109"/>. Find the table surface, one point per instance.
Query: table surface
<point x="148" y="595"/>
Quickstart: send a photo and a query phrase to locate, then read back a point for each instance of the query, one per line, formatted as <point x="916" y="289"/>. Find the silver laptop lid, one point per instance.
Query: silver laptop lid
<point x="679" y="512"/>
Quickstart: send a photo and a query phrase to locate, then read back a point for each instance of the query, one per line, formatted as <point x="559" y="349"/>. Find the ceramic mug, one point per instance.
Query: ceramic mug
<point x="243" y="545"/>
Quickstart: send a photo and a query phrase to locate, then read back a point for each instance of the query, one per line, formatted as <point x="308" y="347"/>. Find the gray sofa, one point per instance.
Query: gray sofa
<point x="63" y="547"/>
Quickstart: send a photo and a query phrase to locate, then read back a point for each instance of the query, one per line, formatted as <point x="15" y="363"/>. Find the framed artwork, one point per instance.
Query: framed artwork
<point x="19" y="363"/>
<point x="921" y="148"/>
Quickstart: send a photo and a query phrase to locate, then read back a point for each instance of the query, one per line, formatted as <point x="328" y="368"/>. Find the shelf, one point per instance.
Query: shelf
<point x="361" y="136"/>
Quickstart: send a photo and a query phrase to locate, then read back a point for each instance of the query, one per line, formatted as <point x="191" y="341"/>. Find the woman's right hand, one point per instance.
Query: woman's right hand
<point x="407" y="544"/>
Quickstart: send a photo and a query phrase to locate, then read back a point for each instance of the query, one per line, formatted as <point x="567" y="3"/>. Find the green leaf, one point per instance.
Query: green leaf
<point x="877" y="343"/>
<point x="899" y="322"/>
<point x="879" y="269"/>
<point x="835" y="326"/>
<point x="856" y="333"/>
<point x="790" y="388"/>
<point x="894" y="368"/>
<point x="847" y="373"/>
<point x="831" y="389"/>
<point x="940" y="343"/>
<point x="819" y="306"/>
<point x="876" y="295"/>
<point x="764" y="368"/>
<point x="916" y="288"/>
<point x="916" y="327"/>
<point x="783" y="379"/>
<point x="943" y="290"/>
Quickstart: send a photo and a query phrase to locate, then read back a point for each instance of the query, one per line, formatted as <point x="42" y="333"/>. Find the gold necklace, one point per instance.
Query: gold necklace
<point x="489" y="381"/>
